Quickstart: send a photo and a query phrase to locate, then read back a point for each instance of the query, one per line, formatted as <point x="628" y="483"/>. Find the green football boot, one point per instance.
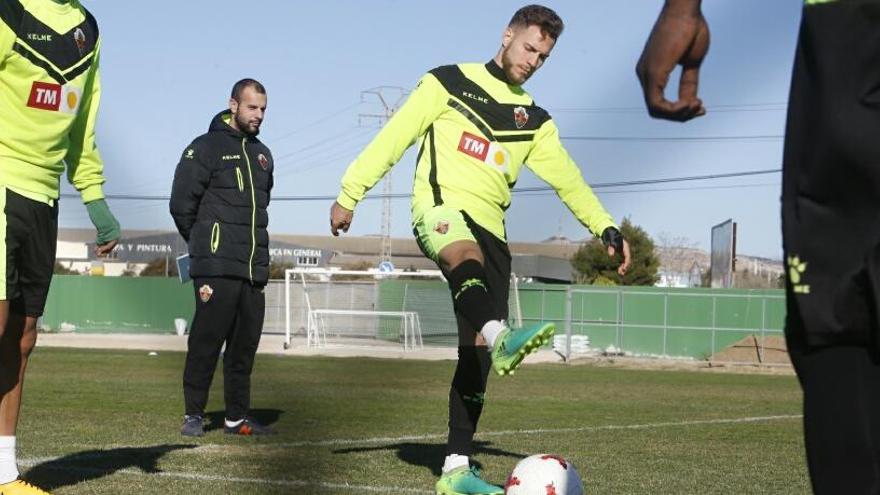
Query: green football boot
<point x="513" y="344"/>
<point x="465" y="481"/>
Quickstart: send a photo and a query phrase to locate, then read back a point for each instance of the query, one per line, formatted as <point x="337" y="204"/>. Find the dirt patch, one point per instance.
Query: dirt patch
<point x="755" y="350"/>
<point x="753" y="354"/>
<point x="660" y="364"/>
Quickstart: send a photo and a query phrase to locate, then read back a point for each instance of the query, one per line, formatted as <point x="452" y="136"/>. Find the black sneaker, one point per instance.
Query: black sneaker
<point x="193" y="426"/>
<point x="248" y="427"/>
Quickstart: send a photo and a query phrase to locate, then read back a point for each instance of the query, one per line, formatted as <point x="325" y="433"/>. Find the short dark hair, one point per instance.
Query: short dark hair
<point x="537" y="15"/>
<point x="247" y="82"/>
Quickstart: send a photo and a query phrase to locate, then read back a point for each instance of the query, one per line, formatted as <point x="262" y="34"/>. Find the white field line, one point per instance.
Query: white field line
<point x="208" y="447"/>
<point x="71" y="467"/>
<point x="537" y="431"/>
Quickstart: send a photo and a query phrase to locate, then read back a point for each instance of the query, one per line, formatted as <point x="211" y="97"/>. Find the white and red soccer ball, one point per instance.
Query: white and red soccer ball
<point x="544" y="474"/>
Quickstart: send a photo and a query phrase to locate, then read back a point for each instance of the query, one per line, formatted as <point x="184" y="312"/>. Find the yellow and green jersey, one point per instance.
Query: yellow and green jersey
<point x="49" y="92"/>
<point x="476" y="132"/>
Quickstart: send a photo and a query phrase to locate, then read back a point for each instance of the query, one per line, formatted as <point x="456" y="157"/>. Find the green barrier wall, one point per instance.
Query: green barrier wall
<point x="118" y="304"/>
<point x="658" y="321"/>
<point x="640" y="320"/>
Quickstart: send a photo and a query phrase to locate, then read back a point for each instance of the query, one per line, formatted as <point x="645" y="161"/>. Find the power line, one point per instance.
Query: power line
<point x="324" y="148"/>
<point x="600" y="185"/>
<point x="742" y="107"/>
<point x="759" y="137"/>
<point x="334" y="159"/>
<point x="605" y="185"/>
<point x="668" y="189"/>
<point x="313" y="124"/>
<point x="316" y="144"/>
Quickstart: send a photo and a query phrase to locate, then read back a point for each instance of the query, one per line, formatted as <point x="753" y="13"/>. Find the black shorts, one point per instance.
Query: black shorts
<point x="496" y="262"/>
<point x="31" y="233"/>
<point x="831" y="175"/>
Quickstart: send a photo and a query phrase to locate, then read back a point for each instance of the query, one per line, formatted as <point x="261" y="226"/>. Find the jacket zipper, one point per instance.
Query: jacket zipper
<point x="253" y="211"/>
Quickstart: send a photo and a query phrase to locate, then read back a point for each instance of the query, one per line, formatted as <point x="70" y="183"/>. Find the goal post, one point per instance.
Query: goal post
<point x="344" y="305"/>
<point x="357" y="308"/>
<point x="343" y="323"/>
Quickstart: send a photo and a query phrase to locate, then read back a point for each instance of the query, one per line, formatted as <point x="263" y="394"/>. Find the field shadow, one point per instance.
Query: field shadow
<point x="266" y="417"/>
<point x="429" y="455"/>
<point x="88" y="465"/>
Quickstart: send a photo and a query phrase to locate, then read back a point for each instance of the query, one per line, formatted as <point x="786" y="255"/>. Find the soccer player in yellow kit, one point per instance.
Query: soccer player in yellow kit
<point x="49" y="92"/>
<point x="477" y="128"/>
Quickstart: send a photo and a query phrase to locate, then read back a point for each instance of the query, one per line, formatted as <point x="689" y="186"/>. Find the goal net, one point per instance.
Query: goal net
<point x="354" y="308"/>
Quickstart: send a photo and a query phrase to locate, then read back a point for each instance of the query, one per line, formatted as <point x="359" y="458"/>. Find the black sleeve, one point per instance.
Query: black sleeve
<point x="191" y="179"/>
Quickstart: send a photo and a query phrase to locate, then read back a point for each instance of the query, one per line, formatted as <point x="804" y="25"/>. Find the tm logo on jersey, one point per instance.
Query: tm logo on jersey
<point x="474" y="146"/>
<point x="54" y="97"/>
<point x="489" y="153"/>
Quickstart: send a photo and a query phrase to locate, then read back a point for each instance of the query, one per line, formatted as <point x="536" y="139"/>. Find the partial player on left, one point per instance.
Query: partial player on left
<point x="49" y="92"/>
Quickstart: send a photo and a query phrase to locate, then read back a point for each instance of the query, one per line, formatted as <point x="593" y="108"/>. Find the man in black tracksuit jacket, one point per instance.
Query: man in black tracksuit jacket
<point x="219" y="200"/>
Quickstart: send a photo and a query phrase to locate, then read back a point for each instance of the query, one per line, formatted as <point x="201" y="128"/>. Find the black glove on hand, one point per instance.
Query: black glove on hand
<point x="612" y="237"/>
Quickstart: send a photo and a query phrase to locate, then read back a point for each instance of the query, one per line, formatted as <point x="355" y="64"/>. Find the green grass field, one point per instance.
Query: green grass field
<point x="106" y="422"/>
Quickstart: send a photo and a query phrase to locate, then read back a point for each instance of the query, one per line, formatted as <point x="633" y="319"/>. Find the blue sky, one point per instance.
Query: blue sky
<point x="167" y="68"/>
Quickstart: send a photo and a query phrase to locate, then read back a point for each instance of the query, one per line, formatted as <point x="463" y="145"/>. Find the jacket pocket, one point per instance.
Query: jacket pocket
<point x="240" y="179"/>
<point x="215" y="237"/>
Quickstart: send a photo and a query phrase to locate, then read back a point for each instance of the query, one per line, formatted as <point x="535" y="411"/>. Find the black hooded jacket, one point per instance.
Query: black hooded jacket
<point x="219" y="199"/>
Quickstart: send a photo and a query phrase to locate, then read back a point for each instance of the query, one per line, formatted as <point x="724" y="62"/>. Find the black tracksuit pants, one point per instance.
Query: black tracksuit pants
<point x="228" y="311"/>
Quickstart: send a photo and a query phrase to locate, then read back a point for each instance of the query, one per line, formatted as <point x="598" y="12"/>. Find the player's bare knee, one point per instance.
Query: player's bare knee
<point x="28" y="337"/>
<point x="457" y="253"/>
<point x="4" y="316"/>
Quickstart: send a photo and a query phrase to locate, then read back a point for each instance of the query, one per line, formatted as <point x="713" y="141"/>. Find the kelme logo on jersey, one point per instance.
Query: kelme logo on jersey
<point x="54" y="97"/>
<point x="520" y="117"/>
<point x="490" y="153"/>
<point x="38" y="37"/>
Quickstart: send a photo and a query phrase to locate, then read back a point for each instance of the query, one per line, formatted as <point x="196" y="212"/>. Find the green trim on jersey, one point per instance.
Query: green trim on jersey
<point x="476" y="133"/>
<point x="49" y="93"/>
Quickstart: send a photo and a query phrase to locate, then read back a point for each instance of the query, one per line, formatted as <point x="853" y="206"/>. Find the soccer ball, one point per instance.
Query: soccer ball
<point x="544" y="474"/>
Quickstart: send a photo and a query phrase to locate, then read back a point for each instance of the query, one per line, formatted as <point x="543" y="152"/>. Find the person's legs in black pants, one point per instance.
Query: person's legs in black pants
<point x="841" y="386"/>
<point x="241" y="349"/>
<point x="216" y="307"/>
